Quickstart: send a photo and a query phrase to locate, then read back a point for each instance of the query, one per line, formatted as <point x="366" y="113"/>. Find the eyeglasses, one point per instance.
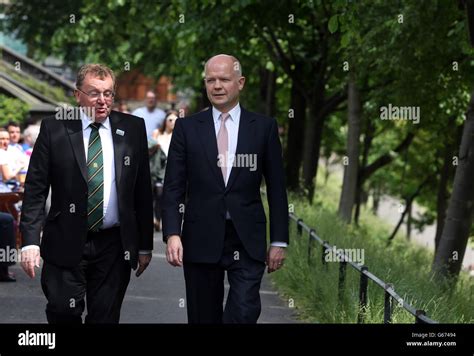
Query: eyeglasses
<point x="108" y="94"/>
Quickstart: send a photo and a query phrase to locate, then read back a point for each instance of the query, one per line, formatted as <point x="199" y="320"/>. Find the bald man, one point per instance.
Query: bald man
<point x="217" y="160"/>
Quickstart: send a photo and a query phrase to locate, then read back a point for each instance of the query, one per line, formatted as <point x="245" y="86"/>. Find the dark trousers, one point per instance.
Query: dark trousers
<point x="101" y="277"/>
<point x="7" y="238"/>
<point x="205" y="286"/>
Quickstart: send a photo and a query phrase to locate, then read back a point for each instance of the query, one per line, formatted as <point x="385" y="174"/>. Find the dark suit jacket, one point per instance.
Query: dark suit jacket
<point x="58" y="160"/>
<point x="192" y="174"/>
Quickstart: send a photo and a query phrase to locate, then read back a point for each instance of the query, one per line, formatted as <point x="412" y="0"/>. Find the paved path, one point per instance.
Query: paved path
<point x="389" y="211"/>
<point x="158" y="296"/>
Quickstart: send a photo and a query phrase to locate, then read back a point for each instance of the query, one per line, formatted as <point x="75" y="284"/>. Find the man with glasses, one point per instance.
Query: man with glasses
<point x="100" y="224"/>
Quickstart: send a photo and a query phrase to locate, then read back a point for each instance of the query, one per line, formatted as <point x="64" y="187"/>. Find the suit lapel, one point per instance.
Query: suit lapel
<point x="74" y="130"/>
<point x="207" y="134"/>
<point x="243" y="143"/>
<point x="119" y="144"/>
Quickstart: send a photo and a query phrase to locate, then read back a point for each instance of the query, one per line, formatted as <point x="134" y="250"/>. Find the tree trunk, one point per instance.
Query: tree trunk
<point x="349" y="184"/>
<point x="445" y="176"/>
<point x="267" y="92"/>
<point x="408" y="204"/>
<point x="452" y="246"/>
<point x="368" y="137"/>
<point x="294" y="145"/>
<point x="312" y="145"/>
<point x="409" y="221"/>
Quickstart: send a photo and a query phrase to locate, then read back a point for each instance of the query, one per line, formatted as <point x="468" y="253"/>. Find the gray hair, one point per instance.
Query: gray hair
<point x="32" y="132"/>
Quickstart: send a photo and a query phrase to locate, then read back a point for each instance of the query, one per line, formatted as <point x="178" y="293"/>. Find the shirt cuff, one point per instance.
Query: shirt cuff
<point x="144" y="252"/>
<point x="30" y="247"/>
<point x="279" y="244"/>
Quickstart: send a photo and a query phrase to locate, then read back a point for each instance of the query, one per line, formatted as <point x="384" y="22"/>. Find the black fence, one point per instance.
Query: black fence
<point x="389" y="296"/>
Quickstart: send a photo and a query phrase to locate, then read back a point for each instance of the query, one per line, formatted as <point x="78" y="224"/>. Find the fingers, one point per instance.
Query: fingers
<point x="174" y="255"/>
<point x="140" y="270"/>
<point x="180" y="256"/>
<point x="143" y="262"/>
<point x="29" y="268"/>
<point x="29" y="260"/>
<point x="275" y="259"/>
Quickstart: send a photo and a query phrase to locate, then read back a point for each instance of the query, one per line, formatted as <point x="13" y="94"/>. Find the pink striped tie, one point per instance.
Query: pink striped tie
<point x="223" y="144"/>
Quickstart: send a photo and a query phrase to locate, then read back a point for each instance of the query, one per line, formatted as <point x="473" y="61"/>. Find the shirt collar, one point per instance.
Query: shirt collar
<point x="86" y="121"/>
<point x="234" y="114"/>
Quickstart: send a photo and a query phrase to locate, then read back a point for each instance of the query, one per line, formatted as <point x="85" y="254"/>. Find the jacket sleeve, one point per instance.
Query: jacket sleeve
<point x="143" y="194"/>
<point x="276" y="189"/>
<point x="36" y="189"/>
<point x="174" y="187"/>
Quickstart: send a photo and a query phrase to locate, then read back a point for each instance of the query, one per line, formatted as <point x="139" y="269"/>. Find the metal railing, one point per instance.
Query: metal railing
<point x="389" y="296"/>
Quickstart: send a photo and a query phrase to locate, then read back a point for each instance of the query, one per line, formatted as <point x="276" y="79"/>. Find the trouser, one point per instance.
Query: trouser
<point x="205" y="285"/>
<point x="101" y="278"/>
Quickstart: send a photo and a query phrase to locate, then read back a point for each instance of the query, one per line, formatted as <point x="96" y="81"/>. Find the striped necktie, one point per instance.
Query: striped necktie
<point x="95" y="180"/>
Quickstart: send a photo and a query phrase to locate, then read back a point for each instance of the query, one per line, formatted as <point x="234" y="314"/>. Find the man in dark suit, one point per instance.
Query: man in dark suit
<point x="216" y="162"/>
<point x="100" y="224"/>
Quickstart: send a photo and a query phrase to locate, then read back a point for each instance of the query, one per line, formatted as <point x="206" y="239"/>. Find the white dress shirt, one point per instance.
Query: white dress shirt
<point x="111" y="216"/>
<point x="232" y="126"/>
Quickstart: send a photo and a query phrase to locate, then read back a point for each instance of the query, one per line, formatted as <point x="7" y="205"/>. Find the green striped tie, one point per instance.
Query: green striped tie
<point x="95" y="181"/>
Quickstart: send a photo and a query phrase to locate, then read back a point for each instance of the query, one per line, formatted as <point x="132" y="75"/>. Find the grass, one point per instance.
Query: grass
<point x="314" y="289"/>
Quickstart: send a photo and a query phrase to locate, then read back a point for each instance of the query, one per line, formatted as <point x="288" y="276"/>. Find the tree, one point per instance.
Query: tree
<point x="347" y="199"/>
<point x="450" y="254"/>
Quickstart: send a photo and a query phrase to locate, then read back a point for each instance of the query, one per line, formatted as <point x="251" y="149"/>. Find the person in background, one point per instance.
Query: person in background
<point x="158" y="148"/>
<point x="7" y="241"/>
<point x="164" y="133"/>
<point x="152" y="115"/>
<point x="123" y="107"/>
<point x="30" y="135"/>
<point x="15" y="135"/>
<point x="19" y="160"/>
<point x="9" y="168"/>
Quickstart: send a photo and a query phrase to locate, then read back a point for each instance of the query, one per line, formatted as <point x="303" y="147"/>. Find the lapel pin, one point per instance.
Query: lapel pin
<point x="120" y="132"/>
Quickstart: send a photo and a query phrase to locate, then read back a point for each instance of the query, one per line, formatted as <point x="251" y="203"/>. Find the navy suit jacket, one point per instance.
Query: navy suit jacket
<point x="194" y="186"/>
<point x="58" y="161"/>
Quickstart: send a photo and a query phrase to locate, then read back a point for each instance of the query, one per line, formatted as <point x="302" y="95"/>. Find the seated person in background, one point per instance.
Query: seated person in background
<point x="14" y="133"/>
<point x="7" y="241"/>
<point x="30" y="135"/>
<point x="9" y="165"/>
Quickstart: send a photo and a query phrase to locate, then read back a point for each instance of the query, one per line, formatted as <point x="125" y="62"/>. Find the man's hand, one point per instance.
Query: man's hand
<point x="275" y="258"/>
<point x="143" y="262"/>
<point x="174" y="251"/>
<point x="29" y="260"/>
